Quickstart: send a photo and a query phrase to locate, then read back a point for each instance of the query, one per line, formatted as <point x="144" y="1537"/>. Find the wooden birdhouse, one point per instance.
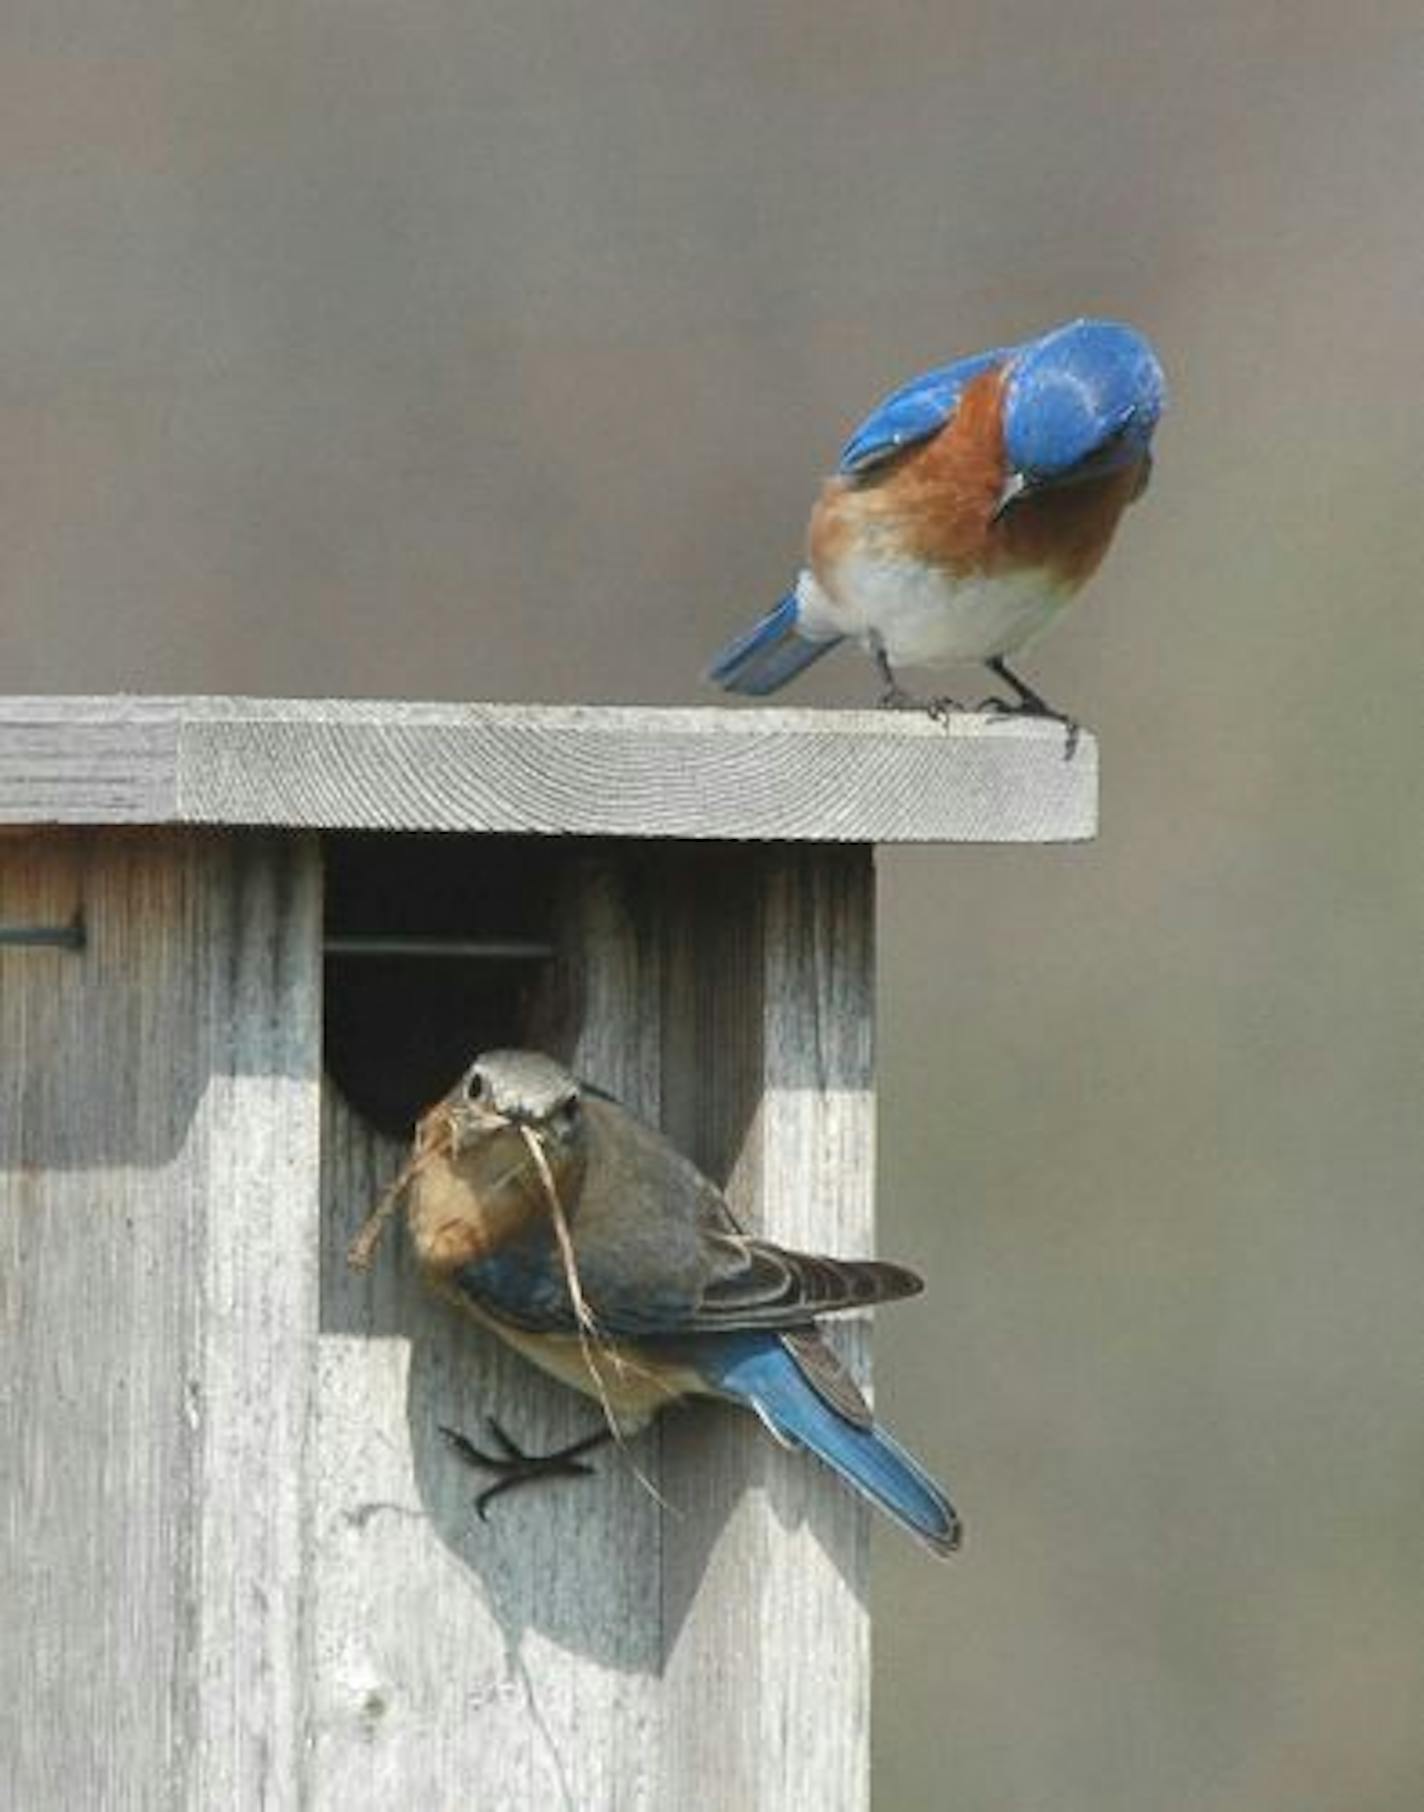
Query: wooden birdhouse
<point x="242" y="944"/>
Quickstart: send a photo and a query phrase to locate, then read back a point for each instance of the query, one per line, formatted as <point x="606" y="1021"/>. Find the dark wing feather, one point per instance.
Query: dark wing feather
<point x="824" y="1372"/>
<point x="753" y="1284"/>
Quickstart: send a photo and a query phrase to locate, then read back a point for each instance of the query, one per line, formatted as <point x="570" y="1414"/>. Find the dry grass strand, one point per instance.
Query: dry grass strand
<point x="592" y="1341"/>
<point x="362" y="1250"/>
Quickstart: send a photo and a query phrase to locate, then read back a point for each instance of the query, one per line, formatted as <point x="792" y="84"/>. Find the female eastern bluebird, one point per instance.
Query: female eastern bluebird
<point x="966" y="511"/>
<point x="675" y="1300"/>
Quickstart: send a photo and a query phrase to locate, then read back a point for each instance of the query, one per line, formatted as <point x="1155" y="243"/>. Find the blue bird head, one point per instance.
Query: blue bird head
<point x="1079" y="403"/>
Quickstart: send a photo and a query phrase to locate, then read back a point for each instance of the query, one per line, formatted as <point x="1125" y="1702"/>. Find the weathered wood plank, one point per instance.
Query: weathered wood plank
<point x="81" y="769"/>
<point x="766" y="1619"/>
<point x="756" y="775"/>
<point x="255" y="1145"/>
<point x="158" y="1151"/>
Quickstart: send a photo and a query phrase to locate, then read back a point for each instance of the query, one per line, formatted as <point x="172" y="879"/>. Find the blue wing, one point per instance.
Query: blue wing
<point x="914" y="412"/>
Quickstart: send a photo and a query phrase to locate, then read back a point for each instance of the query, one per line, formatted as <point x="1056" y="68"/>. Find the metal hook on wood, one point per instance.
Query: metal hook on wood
<point x="486" y="949"/>
<point x="469" y="949"/>
<point x="44" y="937"/>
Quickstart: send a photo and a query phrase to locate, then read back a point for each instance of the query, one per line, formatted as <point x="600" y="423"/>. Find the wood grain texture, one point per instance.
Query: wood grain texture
<point x="78" y="765"/>
<point x="158" y="1156"/>
<point x="590" y="1647"/>
<point x="755" y="775"/>
<point x="766" y="1615"/>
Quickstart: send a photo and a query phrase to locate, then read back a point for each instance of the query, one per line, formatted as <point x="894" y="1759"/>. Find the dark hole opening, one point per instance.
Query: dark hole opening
<point x="434" y="945"/>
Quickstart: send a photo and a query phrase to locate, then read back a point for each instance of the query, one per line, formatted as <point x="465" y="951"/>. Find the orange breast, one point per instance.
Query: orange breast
<point x="936" y="504"/>
<point x="462" y="1208"/>
<point x="1065" y="531"/>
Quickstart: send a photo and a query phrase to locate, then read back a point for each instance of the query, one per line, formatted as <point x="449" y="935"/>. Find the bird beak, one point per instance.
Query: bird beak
<point x="1015" y="485"/>
<point x="470" y="1124"/>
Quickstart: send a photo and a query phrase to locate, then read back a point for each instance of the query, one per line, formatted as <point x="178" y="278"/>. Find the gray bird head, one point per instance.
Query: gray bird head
<point x="523" y="1088"/>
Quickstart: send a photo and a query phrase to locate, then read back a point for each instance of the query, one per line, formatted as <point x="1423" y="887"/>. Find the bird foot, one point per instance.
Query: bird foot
<point x="1034" y="706"/>
<point x="1027" y="703"/>
<point x="514" y="1467"/>
<point x="896" y="698"/>
<point x="940" y="710"/>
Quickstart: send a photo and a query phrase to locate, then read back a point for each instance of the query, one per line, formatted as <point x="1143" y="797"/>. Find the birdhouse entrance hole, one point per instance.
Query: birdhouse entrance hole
<point x="433" y="947"/>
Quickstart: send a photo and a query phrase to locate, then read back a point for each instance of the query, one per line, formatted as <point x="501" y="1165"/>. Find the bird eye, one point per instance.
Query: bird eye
<point x="475" y="1089"/>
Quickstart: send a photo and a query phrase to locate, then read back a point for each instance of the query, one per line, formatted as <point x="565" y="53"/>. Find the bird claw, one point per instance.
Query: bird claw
<point x="896" y="698"/>
<point x="994" y="706"/>
<point x="1027" y="703"/>
<point x="938" y="710"/>
<point x="514" y="1466"/>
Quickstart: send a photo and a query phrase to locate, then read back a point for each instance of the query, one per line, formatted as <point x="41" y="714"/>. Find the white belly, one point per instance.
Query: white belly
<point x="924" y="617"/>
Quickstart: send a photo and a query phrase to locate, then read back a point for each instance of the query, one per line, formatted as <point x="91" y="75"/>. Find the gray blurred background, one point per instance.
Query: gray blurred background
<point x="494" y="351"/>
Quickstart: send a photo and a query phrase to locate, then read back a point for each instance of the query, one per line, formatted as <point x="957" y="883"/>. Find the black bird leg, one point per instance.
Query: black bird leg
<point x="515" y="1467"/>
<point x="1027" y="703"/>
<point x="896" y="698"/>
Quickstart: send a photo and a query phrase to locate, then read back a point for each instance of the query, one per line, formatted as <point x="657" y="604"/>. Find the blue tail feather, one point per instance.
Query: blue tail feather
<point x="763" y="658"/>
<point x="756" y="1369"/>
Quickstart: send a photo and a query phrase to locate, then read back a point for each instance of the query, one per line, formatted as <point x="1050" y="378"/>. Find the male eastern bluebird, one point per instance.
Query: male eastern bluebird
<point x="649" y="1291"/>
<point x="966" y="510"/>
